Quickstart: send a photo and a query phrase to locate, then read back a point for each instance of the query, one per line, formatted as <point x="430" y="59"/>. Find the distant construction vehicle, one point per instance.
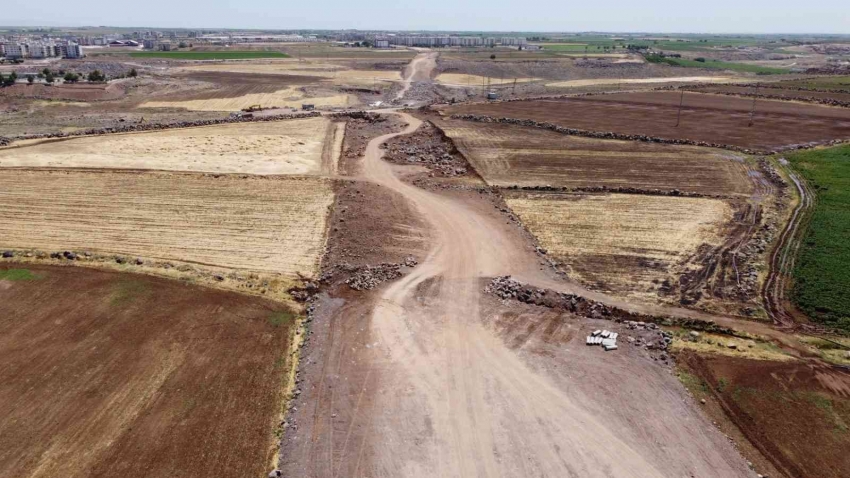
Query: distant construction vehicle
<point x="308" y="107"/>
<point x="252" y="108"/>
<point x="492" y="95"/>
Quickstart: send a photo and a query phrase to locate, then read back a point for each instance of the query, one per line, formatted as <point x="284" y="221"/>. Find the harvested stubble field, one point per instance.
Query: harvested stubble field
<point x="107" y="374"/>
<point x="275" y="147"/>
<point x="331" y="72"/>
<point x="508" y="155"/>
<point x="797" y="414"/>
<point x="256" y="224"/>
<point x="709" y="118"/>
<point x="460" y="79"/>
<point x="232" y="100"/>
<point x="623" y="243"/>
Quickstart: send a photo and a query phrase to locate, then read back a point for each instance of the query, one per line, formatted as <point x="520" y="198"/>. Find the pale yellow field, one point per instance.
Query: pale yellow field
<point x="275" y="147"/>
<point x="327" y="71"/>
<point x="257" y="224"/>
<point x="460" y="79"/>
<point x="630" y="81"/>
<point x="622" y="242"/>
<point x="290" y="97"/>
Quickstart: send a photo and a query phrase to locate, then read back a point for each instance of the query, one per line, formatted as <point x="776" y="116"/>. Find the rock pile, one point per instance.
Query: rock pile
<point x="618" y="189"/>
<point x="509" y="289"/>
<point x="361" y="277"/>
<point x="429" y="147"/>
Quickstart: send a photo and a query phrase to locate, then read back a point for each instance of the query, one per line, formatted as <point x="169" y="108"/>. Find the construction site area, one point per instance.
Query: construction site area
<point x="419" y="262"/>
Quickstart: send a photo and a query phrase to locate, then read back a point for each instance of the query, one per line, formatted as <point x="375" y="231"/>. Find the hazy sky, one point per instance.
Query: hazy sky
<point x="714" y="16"/>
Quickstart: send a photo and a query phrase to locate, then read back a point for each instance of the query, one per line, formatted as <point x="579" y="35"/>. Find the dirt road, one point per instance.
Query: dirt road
<point x="419" y="70"/>
<point x="455" y="401"/>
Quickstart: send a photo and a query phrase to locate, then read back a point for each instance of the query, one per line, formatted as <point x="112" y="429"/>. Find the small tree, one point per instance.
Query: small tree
<point x="701" y="60"/>
<point x="133" y="73"/>
<point x="96" y="75"/>
<point x="30" y="79"/>
<point x="492" y="57"/>
<point x="45" y="71"/>
<point x="10" y="80"/>
<point x="71" y="77"/>
<point x="49" y="78"/>
<point x="182" y="44"/>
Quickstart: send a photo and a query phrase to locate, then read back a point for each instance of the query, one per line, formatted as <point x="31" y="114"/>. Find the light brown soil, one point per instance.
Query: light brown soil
<point x="710" y="118"/>
<point x="508" y="155"/>
<point x="416" y="384"/>
<point x="796" y="413"/>
<point x="779" y="93"/>
<point x="279" y="147"/>
<point x="228" y="221"/>
<point x="107" y="374"/>
<point x="627" y="244"/>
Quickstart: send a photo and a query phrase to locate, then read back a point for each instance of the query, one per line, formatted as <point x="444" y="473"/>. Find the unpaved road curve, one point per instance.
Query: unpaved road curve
<point x="485" y="412"/>
<point x="418" y="70"/>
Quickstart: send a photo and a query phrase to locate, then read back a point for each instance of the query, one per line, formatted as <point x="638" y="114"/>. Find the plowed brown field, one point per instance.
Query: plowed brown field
<point x="797" y="414"/>
<point x="107" y="374"/>
<point x="789" y="93"/>
<point x="710" y="118"/>
<point x="259" y="224"/>
<point x="506" y="155"/>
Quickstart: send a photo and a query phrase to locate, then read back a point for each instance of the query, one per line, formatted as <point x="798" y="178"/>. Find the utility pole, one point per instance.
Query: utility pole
<point x="753" y="109"/>
<point x="679" y="114"/>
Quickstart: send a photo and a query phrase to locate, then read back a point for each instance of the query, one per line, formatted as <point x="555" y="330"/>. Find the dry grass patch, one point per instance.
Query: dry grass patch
<point x="507" y="155"/>
<point x="634" y="81"/>
<point x="279" y="147"/>
<point x="461" y="79"/>
<point x="621" y="242"/>
<point x="289" y="97"/>
<point x="259" y="224"/>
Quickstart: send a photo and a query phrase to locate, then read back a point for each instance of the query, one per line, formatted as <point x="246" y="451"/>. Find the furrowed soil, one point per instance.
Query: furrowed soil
<point x="508" y="155"/>
<point x="275" y="147"/>
<point x="779" y="93"/>
<point x="797" y="414"/>
<point x="70" y="92"/>
<point x="107" y="374"/>
<point x="256" y="224"/>
<point x="289" y="97"/>
<point x="623" y="243"/>
<point x="710" y="118"/>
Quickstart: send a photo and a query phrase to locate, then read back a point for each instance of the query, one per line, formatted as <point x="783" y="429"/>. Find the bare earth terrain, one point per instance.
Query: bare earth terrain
<point x="225" y="221"/>
<point x="507" y="155"/>
<point x="279" y="147"/>
<point x="107" y="374"/>
<point x="710" y="118"/>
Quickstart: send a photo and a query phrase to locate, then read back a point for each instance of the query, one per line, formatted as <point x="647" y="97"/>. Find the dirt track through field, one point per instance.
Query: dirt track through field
<point x="460" y="402"/>
<point x="418" y="70"/>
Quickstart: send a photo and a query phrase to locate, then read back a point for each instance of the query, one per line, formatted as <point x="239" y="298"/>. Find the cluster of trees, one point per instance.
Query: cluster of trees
<point x="8" y="80"/>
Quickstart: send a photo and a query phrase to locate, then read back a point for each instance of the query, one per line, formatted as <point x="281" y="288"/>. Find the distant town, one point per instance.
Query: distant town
<point x="24" y="44"/>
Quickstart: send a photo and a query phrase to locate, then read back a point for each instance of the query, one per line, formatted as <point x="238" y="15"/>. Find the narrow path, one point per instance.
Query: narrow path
<point x="419" y="70"/>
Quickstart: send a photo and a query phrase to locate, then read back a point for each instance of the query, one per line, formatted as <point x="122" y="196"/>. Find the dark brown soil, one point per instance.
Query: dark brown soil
<point x="107" y="374"/>
<point x="797" y="414"/>
<point x="358" y="133"/>
<point x="68" y="92"/>
<point x="709" y="118"/>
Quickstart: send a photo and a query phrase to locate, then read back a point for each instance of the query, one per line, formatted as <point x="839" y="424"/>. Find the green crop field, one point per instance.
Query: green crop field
<point x="824" y="82"/>
<point x="716" y="65"/>
<point x="821" y="278"/>
<point x="209" y="55"/>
